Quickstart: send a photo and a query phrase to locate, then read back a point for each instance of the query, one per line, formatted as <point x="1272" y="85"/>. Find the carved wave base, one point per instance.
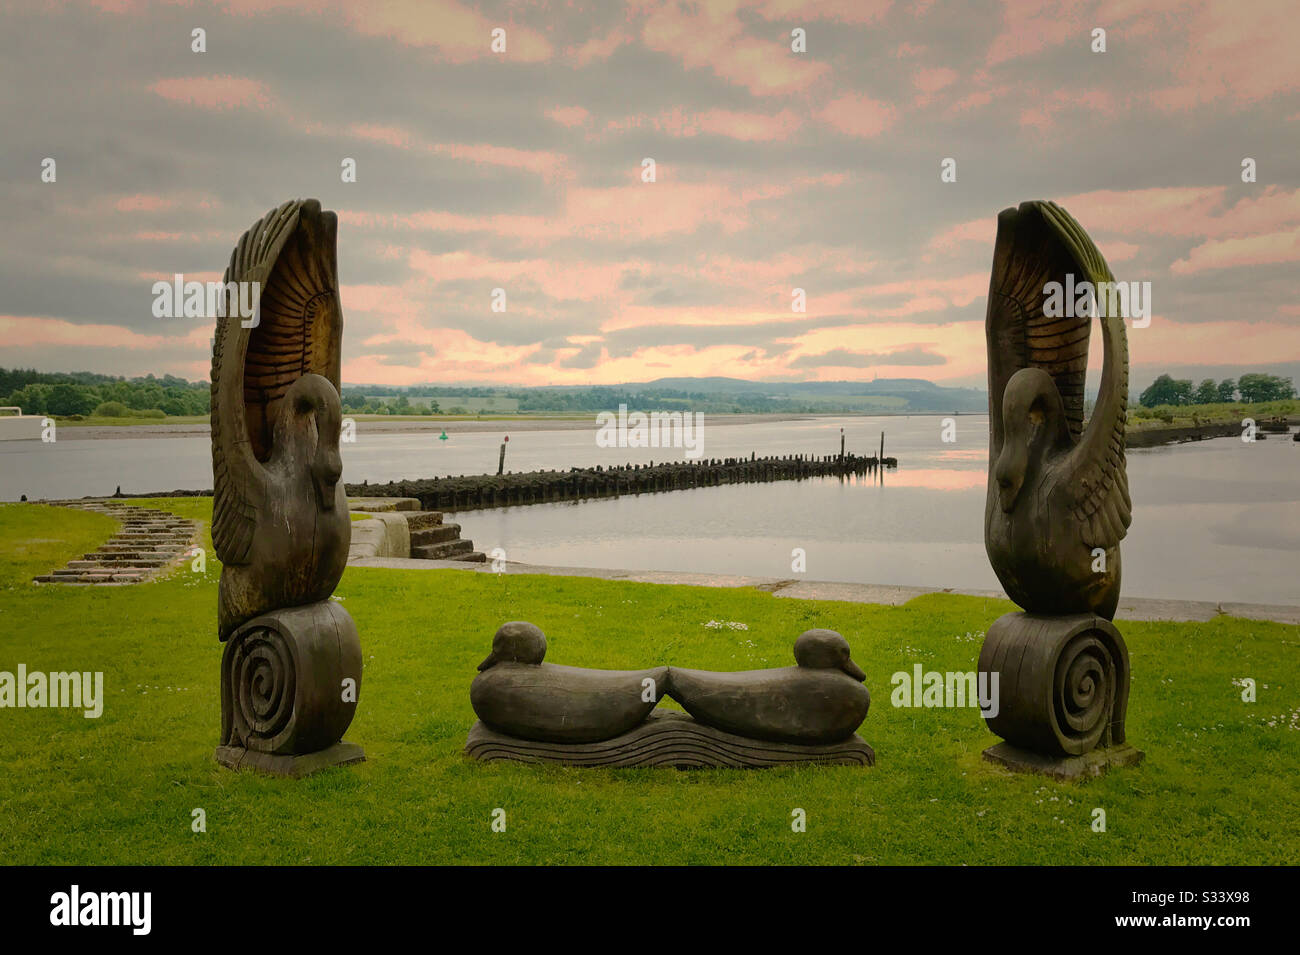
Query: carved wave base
<point x="1064" y="768"/>
<point x="294" y="766"/>
<point x="671" y="740"/>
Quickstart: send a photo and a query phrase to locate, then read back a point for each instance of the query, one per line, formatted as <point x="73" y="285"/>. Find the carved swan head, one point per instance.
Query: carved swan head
<point x="308" y="426"/>
<point x="1034" y="425"/>
<point x="825" y="650"/>
<point x="516" y="642"/>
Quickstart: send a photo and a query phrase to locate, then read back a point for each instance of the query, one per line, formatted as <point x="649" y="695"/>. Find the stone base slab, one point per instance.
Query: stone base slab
<point x="294" y="766"/>
<point x="1064" y="768"/>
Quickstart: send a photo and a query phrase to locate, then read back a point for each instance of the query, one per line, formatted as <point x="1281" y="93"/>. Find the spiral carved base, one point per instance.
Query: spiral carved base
<point x="1063" y="684"/>
<point x="290" y="680"/>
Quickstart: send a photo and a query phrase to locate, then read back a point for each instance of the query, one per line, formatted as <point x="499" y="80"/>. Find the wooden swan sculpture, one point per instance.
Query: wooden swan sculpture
<point x="291" y="669"/>
<point x="280" y="523"/>
<point x="1058" y="501"/>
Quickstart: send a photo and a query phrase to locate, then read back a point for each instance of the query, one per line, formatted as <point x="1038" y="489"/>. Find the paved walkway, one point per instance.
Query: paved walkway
<point x="1132" y="608"/>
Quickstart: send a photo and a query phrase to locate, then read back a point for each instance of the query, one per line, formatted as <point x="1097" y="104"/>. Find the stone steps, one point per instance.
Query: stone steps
<point x="431" y="539"/>
<point x="447" y="550"/>
<point x="418" y="520"/>
<point x="436" y="534"/>
<point x="148" y="541"/>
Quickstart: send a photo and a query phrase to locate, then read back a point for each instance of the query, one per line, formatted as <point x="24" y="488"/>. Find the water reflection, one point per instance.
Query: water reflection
<point x="1212" y="520"/>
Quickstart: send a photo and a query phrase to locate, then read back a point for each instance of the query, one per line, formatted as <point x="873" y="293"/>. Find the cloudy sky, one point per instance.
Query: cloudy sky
<point x="522" y="170"/>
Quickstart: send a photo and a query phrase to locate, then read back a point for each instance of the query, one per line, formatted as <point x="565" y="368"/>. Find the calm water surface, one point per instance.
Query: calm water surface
<point x="1214" y="520"/>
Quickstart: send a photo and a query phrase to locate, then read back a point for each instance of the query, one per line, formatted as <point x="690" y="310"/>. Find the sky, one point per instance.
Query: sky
<point x="522" y="170"/>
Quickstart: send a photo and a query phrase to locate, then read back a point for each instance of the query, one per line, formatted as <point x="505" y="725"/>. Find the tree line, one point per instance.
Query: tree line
<point x="67" y="394"/>
<point x="1249" y="389"/>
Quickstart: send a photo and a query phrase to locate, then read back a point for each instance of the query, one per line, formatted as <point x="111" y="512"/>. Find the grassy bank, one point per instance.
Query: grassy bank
<point x="1217" y="785"/>
<point x="1164" y="416"/>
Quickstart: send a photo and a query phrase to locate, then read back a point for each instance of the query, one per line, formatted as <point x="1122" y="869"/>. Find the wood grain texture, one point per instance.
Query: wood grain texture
<point x="279" y="515"/>
<point x="667" y="740"/>
<point x="1057" y="490"/>
<point x="291" y="669"/>
<point x="282" y="680"/>
<point x="1063" y="682"/>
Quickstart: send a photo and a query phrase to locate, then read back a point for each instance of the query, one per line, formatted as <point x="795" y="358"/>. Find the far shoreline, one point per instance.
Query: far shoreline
<point x="1150" y="436"/>
<point x="378" y="424"/>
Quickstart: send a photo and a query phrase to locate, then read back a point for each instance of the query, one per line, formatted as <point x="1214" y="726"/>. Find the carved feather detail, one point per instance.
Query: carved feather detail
<point x="1100" y="480"/>
<point x="1040" y="243"/>
<point x="290" y="253"/>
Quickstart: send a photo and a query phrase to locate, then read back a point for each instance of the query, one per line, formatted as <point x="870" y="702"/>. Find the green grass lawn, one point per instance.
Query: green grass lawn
<point x="1219" y="784"/>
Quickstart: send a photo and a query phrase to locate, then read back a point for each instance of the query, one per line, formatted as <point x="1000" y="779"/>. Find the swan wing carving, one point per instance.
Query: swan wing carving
<point x="1097" y="468"/>
<point x="297" y="329"/>
<point x="1028" y="255"/>
<point x="1040" y="243"/>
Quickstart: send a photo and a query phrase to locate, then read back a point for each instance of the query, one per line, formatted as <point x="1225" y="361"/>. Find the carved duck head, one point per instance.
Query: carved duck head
<point x="825" y="650"/>
<point x="516" y="642"/>
<point x="1034" y="427"/>
<point x="308" y="427"/>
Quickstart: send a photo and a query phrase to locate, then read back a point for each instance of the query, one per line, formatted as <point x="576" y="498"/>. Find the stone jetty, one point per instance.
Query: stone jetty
<point x="398" y="528"/>
<point x="469" y="492"/>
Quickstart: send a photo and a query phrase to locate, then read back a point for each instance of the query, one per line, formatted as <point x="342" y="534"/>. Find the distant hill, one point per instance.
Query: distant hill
<point x="717" y="395"/>
<point x="907" y="394"/>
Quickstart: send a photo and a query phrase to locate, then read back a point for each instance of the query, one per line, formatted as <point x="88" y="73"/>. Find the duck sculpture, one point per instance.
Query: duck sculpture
<point x="1058" y="502"/>
<point x="516" y="693"/>
<point x="280" y="523"/>
<point x="821" y="699"/>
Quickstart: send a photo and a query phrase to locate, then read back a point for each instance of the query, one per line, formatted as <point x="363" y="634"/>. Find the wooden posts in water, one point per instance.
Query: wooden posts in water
<point x="501" y="461"/>
<point x="467" y="492"/>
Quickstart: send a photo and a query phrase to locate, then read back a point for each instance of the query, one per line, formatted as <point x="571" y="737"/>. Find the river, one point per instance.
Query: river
<point x="1213" y="520"/>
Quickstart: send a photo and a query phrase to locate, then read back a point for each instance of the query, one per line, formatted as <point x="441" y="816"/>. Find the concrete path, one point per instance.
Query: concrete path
<point x="1132" y="608"/>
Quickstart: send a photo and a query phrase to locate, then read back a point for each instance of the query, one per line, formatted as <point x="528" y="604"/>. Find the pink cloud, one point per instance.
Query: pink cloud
<point x="712" y="36"/>
<point x="387" y="135"/>
<point x="746" y="126"/>
<point x="1268" y="249"/>
<point x="597" y="48"/>
<point x="143" y="203"/>
<point x="543" y="163"/>
<point x="456" y="31"/>
<point x="1029" y="26"/>
<point x="933" y="80"/>
<point x="638" y="210"/>
<point x="856" y="114"/>
<point x="568" y="115"/>
<point x="837" y="11"/>
<point x="1042" y="115"/>
<point x="214" y="92"/>
<point x="1236" y="53"/>
<point x="35" y="331"/>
